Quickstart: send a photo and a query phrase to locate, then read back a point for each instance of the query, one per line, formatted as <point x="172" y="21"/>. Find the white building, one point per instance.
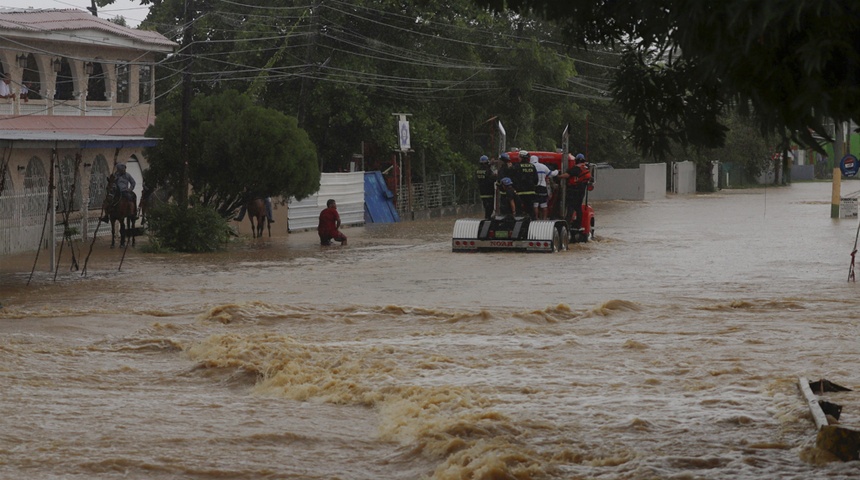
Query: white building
<point x="83" y="91"/>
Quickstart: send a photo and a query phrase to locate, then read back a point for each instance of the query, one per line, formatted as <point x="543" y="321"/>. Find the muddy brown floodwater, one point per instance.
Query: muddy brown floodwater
<point x="670" y="347"/>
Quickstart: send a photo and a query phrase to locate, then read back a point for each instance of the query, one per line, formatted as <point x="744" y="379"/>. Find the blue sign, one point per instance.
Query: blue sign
<point x="849" y="165"/>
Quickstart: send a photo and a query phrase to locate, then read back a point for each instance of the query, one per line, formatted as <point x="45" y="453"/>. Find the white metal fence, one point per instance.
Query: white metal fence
<point x="427" y="195"/>
<point x="24" y="215"/>
<point x="21" y="218"/>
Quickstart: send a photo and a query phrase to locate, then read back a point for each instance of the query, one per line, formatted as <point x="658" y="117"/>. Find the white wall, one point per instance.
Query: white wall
<point x="684" y="174"/>
<point x="648" y="182"/>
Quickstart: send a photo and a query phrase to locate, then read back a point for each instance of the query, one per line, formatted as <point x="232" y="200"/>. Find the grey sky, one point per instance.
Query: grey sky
<point x="133" y="12"/>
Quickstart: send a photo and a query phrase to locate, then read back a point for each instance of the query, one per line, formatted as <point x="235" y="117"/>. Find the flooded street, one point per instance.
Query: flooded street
<point x="670" y="347"/>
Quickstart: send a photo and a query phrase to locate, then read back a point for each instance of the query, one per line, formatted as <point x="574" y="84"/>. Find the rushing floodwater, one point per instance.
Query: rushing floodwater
<point x="668" y="348"/>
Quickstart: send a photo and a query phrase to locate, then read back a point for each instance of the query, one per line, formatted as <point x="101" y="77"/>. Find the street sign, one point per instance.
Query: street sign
<point x="403" y="134"/>
<point x="849" y="165"/>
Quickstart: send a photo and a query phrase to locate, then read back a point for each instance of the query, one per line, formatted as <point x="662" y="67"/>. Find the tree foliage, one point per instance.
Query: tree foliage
<point x="197" y="229"/>
<point x="235" y="147"/>
<point x="789" y="64"/>
<point x="342" y="68"/>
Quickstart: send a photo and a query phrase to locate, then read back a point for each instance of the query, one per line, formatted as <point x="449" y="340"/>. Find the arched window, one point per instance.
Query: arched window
<point x="35" y="186"/>
<point x="68" y="178"/>
<point x="122" y="83"/>
<point x="98" y="182"/>
<point x="65" y="82"/>
<point x="145" y="84"/>
<point x="35" y="176"/>
<point x="96" y="84"/>
<point x="31" y="79"/>
<point x="6" y="205"/>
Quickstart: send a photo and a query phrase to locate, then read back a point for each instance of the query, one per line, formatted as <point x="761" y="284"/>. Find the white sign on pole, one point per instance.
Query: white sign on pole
<point x="403" y="134"/>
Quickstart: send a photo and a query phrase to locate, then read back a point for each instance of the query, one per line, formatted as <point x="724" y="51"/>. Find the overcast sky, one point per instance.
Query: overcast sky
<point x="132" y="10"/>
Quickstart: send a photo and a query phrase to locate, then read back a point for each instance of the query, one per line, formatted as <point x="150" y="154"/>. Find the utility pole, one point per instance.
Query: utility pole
<point x="309" y="58"/>
<point x="187" y="93"/>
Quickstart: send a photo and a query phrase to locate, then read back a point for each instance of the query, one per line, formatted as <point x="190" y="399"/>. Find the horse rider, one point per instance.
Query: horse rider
<point x="125" y="183"/>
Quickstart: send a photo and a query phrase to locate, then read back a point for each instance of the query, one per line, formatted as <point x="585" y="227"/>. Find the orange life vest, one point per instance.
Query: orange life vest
<point x="580" y="174"/>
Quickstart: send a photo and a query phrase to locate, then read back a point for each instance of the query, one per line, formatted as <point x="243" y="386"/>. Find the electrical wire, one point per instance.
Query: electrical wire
<point x="354" y="44"/>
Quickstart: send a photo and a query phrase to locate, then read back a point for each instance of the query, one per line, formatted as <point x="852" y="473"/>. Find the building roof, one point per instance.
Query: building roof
<point x="75" y="132"/>
<point x="78" y="26"/>
<point x="13" y="127"/>
<point x="33" y="139"/>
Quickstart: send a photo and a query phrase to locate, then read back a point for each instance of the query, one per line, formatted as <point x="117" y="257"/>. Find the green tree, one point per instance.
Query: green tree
<point x="235" y="145"/>
<point x="342" y="68"/>
<point x="788" y="64"/>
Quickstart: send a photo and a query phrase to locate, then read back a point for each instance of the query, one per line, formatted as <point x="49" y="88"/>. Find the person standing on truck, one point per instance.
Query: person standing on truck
<point x="541" y="203"/>
<point x="578" y="180"/>
<point x="508" y="199"/>
<point x="504" y="167"/>
<point x="524" y="176"/>
<point x="486" y="186"/>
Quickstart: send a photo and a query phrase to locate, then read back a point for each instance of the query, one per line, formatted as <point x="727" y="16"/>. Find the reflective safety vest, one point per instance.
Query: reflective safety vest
<point x="526" y="178"/>
<point x="486" y="182"/>
<point x="580" y="174"/>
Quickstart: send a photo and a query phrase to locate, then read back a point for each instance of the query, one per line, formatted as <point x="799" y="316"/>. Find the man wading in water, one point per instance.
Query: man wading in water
<point x="329" y="225"/>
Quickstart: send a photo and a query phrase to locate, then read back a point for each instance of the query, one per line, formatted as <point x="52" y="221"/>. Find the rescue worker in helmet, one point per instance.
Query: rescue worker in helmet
<point x="525" y="179"/>
<point x="508" y="200"/>
<point x="486" y="185"/>
<point x="578" y="180"/>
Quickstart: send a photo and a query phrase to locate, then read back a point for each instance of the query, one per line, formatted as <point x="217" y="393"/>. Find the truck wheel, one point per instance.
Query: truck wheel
<point x="556" y="240"/>
<point x="564" y="234"/>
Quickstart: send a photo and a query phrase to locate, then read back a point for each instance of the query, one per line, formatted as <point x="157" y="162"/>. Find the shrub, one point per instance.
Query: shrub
<point x="194" y="229"/>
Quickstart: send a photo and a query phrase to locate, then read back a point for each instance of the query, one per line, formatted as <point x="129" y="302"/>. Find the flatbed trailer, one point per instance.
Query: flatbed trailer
<point x="510" y="233"/>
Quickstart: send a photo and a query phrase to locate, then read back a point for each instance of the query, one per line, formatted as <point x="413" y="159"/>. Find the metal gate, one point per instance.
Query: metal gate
<point x="22" y="216"/>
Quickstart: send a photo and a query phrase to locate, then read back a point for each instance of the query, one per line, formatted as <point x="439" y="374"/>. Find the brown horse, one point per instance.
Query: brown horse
<point x="256" y="210"/>
<point x="145" y="202"/>
<point x="120" y="209"/>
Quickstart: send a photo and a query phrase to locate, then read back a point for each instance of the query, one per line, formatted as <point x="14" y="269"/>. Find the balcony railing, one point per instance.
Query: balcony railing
<point x="66" y="108"/>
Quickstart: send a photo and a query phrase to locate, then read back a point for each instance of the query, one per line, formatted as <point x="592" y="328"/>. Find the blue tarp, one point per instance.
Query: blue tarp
<point x="378" y="200"/>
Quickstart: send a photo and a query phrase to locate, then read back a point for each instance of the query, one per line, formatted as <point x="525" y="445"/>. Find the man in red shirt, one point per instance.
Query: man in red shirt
<point x="329" y="225"/>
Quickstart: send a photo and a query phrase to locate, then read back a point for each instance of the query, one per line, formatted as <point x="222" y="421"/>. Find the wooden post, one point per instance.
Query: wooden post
<point x="408" y="174"/>
<point x="838" y="153"/>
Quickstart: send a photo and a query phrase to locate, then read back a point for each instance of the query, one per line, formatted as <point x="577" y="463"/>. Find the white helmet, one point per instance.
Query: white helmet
<point x="533" y="159"/>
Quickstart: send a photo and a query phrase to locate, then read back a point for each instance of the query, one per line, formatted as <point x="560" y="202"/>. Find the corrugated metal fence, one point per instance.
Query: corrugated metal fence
<point x="347" y="189"/>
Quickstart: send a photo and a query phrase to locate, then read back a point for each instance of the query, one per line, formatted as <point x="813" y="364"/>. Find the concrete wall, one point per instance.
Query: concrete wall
<point x="648" y="182"/>
<point x="684" y="178"/>
<point x="803" y="172"/>
<point x="654" y="179"/>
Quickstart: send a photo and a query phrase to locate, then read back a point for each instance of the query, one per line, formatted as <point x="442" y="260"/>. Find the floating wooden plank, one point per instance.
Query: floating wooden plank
<point x="812" y="401"/>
